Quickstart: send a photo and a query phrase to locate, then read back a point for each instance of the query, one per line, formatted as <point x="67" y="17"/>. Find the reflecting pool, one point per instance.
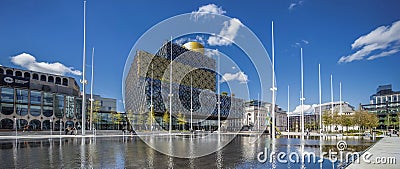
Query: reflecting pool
<point x="132" y="152"/>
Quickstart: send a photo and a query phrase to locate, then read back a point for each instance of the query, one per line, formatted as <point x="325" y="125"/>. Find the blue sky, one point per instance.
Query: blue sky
<point x="51" y="31"/>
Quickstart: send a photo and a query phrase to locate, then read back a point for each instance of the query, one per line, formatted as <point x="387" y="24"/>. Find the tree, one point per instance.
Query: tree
<point x="166" y="118"/>
<point x="346" y="121"/>
<point x="327" y="118"/>
<point x="181" y="119"/>
<point x="150" y="118"/>
<point x="371" y="120"/>
<point x="224" y="93"/>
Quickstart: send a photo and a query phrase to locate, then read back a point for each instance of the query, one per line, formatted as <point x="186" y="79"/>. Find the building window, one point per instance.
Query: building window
<point x="35" y="110"/>
<point x="7" y="109"/>
<point x="9" y="72"/>
<point x="58" y="80"/>
<point x="6" y="124"/>
<point x="35" y="76"/>
<point x="50" y="79"/>
<point x="47" y="111"/>
<point x="43" y="78"/>
<point x="27" y="75"/>
<point x="22" y="96"/>
<point x="18" y="73"/>
<point x="59" y="106"/>
<point x="21" y="109"/>
<point x="1" y="71"/>
<point x="21" y="123"/>
<point x="65" y="82"/>
<point x="48" y="99"/>
<point x="35" y="124"/>
<point x="7" y="95"/>
<point x="36" y="97"/>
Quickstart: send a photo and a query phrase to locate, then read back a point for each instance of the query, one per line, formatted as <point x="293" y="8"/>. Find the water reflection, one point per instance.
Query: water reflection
<point x="131" y="152"/>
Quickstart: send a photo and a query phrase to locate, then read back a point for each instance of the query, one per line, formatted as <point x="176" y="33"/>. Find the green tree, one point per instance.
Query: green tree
<point x="346" y="121"/>
<point x="181" y="120"/>
<point x="166" y="118"/>
<point x="224" y="93"/>
<point x="327" y="119"/>
<point x="371" y="120"/>
<point x="150" y="118"/>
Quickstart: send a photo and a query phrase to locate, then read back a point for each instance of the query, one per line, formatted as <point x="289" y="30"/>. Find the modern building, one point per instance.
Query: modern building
<point x="105" y="115"/>
<point x="193" y="84"/>
<point x="40" y="101"/>
<point x="385" y="103"/>
<point x="312" y="115"/>
<point x="257" y="116"/>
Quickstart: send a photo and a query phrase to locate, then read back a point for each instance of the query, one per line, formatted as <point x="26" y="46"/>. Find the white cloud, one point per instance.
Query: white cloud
<point x="29" y="62"/>
<point x="227" y="33"/>
<point x="305" y="41"/>
<point x="381" y="42"/>
<point x="211" y="52"/>
<point x="301" y="43"/>
<point x="183" y="40"/>
<point x="291" y="6"/>
<point x="239" y="76"/>
<point x="294" y="4"/>
<point x="206" y="10"/>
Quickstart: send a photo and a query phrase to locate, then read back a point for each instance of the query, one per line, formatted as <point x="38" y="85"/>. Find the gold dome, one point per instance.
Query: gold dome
<point x="194" y="46"/>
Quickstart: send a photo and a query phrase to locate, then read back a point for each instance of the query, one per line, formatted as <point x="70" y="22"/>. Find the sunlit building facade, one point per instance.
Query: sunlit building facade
<point x="193" y="87"/>
<point x="38" y="101"/>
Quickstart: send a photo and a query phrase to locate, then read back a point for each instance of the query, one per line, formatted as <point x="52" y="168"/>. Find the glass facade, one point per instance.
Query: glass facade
<point x="35" y="110"/>
<point x="47" y="111"/>
<point x="69" y="107"/>
<point x="21" y="109"/>
<point x="7" y="95"/>
<point x="22" y="96"/>
<point x="7" y="108"/>
<point x="59" y="106"/>
<point x="36" y="97"/>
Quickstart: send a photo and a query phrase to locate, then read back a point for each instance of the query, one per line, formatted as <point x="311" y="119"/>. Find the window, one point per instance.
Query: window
<point x="59" y="106"/>
<point x="6" y="124"/>
<point x="21" y="123"/>
<point x="7" y="95"/>
<point x="9" y="72"/>
<point x="58" y="80"/>
<point x="47" y="111"/>
<point x="35" y="110"/>
<point x="65" y="82"/>
<point x="48" y="99"/>
<point x="7" y="109"/>
<point x="35" y="124"/>
<point x="18" y="73"/>
<point x="50" y="79"/>
<point x="1" y="71"/>
<point x="27" y="75"/>
<point x="36" y="97"/>
<point x="22" y="96"/>
<point x="43" y="78"/>
<point x="21" y="109"/>
<point x="35" y="76"/>
<point x="69" y="107"/>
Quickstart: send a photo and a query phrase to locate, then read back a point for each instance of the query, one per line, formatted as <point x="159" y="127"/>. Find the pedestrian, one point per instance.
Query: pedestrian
<point x="75" y="130"/>
<point x="66" y="130"/>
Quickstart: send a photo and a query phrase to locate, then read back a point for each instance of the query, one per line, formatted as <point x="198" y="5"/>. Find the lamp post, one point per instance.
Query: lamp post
<point x="51" y="128"/>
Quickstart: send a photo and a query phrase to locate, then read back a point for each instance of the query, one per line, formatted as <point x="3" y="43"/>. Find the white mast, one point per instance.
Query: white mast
<point x="151" y="99"/>
<point x="219" y="98"/>
<point x="91" y="93"/>
<point x="340" y="97"/>
<point x="273" y="84"/>
<point x="288" y="108"/>
<point x="302" y="95"/>
<point x="170" y="92"/>
<point x="258" y="112"/>
<point x="331" y="101"/>
<point x="191" y="103"/>
<point x="83" y="81"/>
<point x="320" y="98"/>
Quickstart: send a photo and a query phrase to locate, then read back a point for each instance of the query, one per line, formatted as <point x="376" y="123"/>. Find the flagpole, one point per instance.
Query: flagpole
<point x="302" y="94"/>
<point x="91" y="93"/>
<point x="191" y="103"/>
<point x="273" y="84"/>
<point x="331" y="101"/>
<point x="151" y="99"/>
<point x="320" y="98"/>
<point x="170" y="91"/>
<point x="83" y="81"/>
<point x="288" y="109"/>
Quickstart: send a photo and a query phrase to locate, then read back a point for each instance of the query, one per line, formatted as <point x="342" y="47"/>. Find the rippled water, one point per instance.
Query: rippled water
<point x="132" y="152"/>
